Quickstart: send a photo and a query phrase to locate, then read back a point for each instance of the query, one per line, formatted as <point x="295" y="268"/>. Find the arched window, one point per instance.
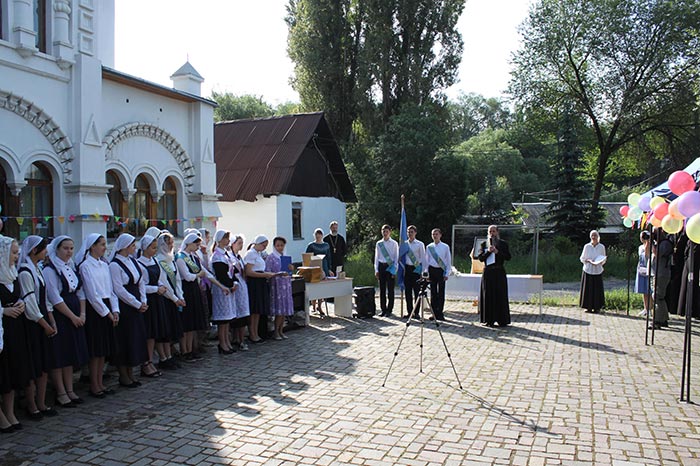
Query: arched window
<point x="36" y="202"/>
<point x="116" y="200"/>
<point x="141" y="206"/>
<point x="167" y="206"/>
<point x="10" y="207"/>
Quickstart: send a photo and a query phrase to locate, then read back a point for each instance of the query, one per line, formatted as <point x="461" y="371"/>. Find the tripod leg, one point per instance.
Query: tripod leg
<point x="444" y="343"/>
<point x="398" y="347"/>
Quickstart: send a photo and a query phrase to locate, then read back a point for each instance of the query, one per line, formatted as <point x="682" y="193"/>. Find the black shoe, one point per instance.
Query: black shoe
<point x="17" y="426"/>
<point x="108" y="391"/>
<point x="49" y="412"/>
<point x="99" y="395"/>
<point x="7" y="430"/>
<point x="654" y="326"/>
<point x="70" y="403"/>
<point x="77" y="400"/>
<point x="128" y="385"/>
<point x="35" y="416"/>
<point x="223" y="351"/>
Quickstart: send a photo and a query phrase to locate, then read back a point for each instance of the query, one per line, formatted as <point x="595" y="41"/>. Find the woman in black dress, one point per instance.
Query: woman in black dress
<point x="101" y="309"/>
<point x="174" y="302"/>
<point x="493" y="298"/>
<point x="154" y="317"/>
<point x="69" y="346"/>
<point x="40" y="323"/>
<point x="15" y="360"/>
<point x="129" y="285"/>
<point x="258" y="288"/>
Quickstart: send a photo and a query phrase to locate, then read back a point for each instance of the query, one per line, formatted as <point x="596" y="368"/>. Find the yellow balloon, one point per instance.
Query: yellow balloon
<point x="692" y="228"/>
<point x="673" y="210"/>
<point x="633" y="199"/>
<point x="656" y="201"/>
<point x="655" y="221"/>
<point x="671" y="225"/>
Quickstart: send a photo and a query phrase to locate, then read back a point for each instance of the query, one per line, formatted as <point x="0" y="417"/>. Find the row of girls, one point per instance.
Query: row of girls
<point x="62" y="309"/>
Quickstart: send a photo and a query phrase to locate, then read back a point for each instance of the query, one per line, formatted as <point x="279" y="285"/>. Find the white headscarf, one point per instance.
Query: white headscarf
<point x="153" y="231"/>
<point x="145" y="242"/>
<point x="28" y="245"/>
<point x="88" y="242"/>
<point x="219" y="235"/>
<point x="124" y="241"/>
<point x="164" y="252"/>
<point x="192" y="230"/>
<point x="8" y="273"/>
<point x="203" y="235"/>
<point x="53" y="257"/>
<point x="189" y="239"/>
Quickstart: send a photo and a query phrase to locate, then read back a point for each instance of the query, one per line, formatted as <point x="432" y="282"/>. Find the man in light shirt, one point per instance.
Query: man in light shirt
<point x="414" y="260"/>
<point x="386" y="262"/>
<point x="439" y="263"/>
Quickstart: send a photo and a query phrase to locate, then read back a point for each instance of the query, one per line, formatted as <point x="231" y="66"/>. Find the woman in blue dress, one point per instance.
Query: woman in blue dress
<point x="641" y="284"/>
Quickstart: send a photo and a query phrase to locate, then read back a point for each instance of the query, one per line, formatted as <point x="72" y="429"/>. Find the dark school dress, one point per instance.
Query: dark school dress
<point x="37" y="338"/>
<point x="173" y="314"/>
<point x="69" y="345"/>
<point x="493" y="297"/>
<point x="131" y="330"/>
<point x="194" y="314"/>
<point x="157" y="324"/>
<point x="16" y="369"/>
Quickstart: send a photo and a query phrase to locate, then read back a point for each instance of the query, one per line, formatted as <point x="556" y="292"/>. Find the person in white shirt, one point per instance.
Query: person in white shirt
<point x="102" y="309"/>
<point x="386" y="262"/>
<point x="414" y="261"/>
<point x="593" y="257"/>
<point x="439" y="263"/>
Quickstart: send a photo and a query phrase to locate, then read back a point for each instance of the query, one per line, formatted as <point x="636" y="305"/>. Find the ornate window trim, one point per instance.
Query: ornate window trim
<point x="161" y="136"/>
<point x="53" y="133"/>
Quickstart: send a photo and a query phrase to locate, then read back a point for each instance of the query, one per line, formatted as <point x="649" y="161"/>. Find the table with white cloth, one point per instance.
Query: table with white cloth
<point x="340" y="289"/>
<point x="520" y="287"/>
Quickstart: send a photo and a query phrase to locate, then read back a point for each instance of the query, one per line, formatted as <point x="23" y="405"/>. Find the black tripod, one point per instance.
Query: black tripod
<point x="419" y="306"/>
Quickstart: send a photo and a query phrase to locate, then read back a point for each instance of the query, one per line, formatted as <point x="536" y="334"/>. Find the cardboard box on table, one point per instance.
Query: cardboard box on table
<point x="310" y="274"/>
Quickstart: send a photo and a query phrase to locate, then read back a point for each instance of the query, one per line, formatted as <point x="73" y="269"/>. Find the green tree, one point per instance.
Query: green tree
<point x="620" y="61"/>
<point x="233" y="107"/>
<point x="473" y="113"/>
<point x="570" y="214"/>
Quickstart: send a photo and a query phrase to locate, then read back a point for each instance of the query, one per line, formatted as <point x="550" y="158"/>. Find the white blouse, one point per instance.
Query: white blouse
<point x="255" y="258"/>
<point x="30" y="295"/>
<point x="97" y="284"/>
<point x="120" y="278"/>
<point x="591" y="252"/>
<point x="54" y="284"/>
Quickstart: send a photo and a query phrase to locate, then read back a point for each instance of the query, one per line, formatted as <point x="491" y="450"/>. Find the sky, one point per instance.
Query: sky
<point x="240" y="46"/>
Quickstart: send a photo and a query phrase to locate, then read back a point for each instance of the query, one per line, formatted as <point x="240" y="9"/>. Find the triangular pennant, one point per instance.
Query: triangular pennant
<point x="61" y="219"/>
<point x="35" y="220"/>
<point x="20" y="221"/>
<point x="47" y="218"/>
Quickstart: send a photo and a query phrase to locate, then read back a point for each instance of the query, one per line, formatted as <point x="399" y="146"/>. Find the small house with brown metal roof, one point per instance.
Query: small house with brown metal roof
<point x="281" y="175"/>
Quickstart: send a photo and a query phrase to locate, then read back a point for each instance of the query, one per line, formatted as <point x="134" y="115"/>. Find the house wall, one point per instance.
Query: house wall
<point x="272" y="216"/>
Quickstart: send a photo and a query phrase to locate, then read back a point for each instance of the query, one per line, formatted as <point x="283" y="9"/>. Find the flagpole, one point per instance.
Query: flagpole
<point x="402" y="300"/>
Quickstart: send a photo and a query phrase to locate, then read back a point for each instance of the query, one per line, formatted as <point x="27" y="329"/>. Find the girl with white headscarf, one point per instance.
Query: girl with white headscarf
<point x="129" y="283"/>
<point x="224" y="304"/>
<point x="258" y="288"/>
<point x="155" y="316"/>
<point x="65" y="294"/>
<point x="241" y="295"/>
<point x="194" y="314"/>
<point x="41" y="325"/>
<point x="173" y="303"/>
<point x="15" y="367"/>
<point x="102" y="309"/>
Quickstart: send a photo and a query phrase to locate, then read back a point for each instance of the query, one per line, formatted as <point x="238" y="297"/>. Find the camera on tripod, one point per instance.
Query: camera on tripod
<point x="422" y="283"/>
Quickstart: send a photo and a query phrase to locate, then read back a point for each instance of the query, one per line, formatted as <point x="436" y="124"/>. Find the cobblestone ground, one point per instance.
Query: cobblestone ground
<point x="563" y="387"/>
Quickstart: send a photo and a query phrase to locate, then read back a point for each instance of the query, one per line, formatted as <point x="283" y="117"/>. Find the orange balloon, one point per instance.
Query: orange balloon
<point x="673" y="210"/>
<point x="655" y="221"/>
<point x="660" y="211"/>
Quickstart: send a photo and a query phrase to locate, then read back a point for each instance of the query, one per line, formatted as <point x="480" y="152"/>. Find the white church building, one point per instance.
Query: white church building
<point x="85" y="148"/>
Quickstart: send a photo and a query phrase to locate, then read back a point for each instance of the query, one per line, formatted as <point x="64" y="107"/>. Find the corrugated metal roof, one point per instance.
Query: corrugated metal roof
<point x="262" y="155"/>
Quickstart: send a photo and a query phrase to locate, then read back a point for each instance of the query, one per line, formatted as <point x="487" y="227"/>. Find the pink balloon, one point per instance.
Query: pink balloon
<point x="689" y="203"/>
<point x="624" y="209"/>
<point x="661" y="211"/>
<point x="681" y="182"/>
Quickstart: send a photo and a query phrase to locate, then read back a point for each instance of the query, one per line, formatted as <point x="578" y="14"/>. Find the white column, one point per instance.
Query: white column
<point x="62" y="48"/>
<point x="23" y="33"/>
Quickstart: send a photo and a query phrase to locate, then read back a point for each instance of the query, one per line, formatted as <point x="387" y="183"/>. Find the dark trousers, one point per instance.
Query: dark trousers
<point x="412" y="289"/>
<point x="437" y="291"/>
<point x="386" y="280"/>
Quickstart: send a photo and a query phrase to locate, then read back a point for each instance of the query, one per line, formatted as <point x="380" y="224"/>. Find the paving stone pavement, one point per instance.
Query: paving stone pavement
<point x="563" y="387"/>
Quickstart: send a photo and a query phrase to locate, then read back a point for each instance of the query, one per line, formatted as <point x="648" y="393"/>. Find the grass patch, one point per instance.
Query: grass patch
<point x="360" y="266"/>
<point x="615" y="300"/>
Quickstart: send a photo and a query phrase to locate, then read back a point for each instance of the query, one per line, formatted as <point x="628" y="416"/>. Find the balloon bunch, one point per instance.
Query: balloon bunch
<point x="684" y="209"/>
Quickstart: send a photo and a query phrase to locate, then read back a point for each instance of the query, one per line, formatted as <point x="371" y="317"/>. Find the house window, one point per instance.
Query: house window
<point x="167" y="206"/>
<point x="296" y="220"/>
<point x="35" y="203"/>
<point x="10" y="207"/>
<point x="141" y="207"/>
<point x="116" y="200"/>
<point x="40" y="24"/>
